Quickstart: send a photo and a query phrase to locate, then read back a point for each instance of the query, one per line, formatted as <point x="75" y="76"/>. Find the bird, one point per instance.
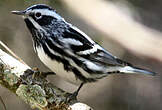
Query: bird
<point x="68" y="51"/>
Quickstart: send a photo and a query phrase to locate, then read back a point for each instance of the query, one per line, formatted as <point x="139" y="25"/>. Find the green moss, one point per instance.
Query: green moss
<point x="11" y="78"/>
<point x="33" y="95"/>
<point x="35" y="91"/>
<point x="8" y="79"/>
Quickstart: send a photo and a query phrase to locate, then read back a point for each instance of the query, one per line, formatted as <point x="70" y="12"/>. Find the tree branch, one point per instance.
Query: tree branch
<point x="35" y="91"/>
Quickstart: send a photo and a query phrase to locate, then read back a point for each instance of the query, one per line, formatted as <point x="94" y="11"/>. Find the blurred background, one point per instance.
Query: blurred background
<point x="130" y="29"/>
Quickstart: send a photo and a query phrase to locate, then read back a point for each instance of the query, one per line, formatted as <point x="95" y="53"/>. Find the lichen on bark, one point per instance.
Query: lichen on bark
<point x="33" y="87"/>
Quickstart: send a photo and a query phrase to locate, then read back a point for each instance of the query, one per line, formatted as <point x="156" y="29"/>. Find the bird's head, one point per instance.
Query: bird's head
<point x="38" y="16"/>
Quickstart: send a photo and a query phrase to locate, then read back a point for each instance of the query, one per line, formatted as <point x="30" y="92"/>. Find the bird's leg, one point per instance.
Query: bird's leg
<point x="77" y="91"/>
<point x="74" y="94"/>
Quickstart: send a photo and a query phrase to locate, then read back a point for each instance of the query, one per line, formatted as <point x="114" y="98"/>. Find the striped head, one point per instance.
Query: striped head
<point x="42" y="21"/>
<point x="38" y="15"/>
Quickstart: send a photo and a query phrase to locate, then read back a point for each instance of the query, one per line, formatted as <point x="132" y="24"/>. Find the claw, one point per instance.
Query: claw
<point x="71" y="97"/>
<point x="74" y="95"/>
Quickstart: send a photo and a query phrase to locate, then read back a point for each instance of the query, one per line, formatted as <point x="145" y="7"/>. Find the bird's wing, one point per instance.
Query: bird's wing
<point x="81" y="45"/>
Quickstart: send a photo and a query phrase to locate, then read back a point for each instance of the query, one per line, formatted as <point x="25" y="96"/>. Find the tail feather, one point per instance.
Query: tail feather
<point x="134" y="70"/>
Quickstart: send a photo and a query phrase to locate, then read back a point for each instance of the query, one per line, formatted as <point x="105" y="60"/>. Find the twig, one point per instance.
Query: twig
<point x="11" y="52"/>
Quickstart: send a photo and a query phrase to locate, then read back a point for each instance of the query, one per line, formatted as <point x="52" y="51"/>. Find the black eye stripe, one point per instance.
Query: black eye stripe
<point x="45" y="20"/>
<point x="44" y="16"/>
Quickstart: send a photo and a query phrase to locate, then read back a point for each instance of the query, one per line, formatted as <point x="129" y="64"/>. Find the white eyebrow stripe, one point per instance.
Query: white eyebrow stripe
<point x="47" y="13"/>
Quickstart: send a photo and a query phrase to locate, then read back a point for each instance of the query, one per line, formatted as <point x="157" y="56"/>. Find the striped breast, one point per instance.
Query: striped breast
<point x="57" y="67"/>
<point x="65" y="67"/>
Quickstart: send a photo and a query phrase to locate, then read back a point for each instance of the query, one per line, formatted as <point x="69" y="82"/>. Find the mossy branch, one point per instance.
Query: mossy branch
<point x="35" y="91"/>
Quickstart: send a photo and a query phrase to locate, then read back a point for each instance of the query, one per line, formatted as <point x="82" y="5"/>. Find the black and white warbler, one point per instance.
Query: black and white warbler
<point x="78" y="58"/>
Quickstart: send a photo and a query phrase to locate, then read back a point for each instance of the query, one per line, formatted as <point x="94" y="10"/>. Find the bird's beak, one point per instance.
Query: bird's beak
<point x="18" y="12"/>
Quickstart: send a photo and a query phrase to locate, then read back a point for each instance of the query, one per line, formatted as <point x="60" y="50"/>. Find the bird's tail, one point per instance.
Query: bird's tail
<point x="135" y="70"/>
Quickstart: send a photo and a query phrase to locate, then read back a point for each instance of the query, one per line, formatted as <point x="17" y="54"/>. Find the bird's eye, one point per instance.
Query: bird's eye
<point x="38" y="15"/>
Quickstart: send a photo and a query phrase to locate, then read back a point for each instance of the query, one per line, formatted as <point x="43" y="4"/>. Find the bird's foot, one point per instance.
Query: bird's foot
<point x="71" y="97"/>
<point x="28" y="76"/>
<point x="74" y="95"/>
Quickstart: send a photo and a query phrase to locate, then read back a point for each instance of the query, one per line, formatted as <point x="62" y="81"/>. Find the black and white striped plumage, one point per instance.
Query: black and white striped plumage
<point x="78" y="58"/>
